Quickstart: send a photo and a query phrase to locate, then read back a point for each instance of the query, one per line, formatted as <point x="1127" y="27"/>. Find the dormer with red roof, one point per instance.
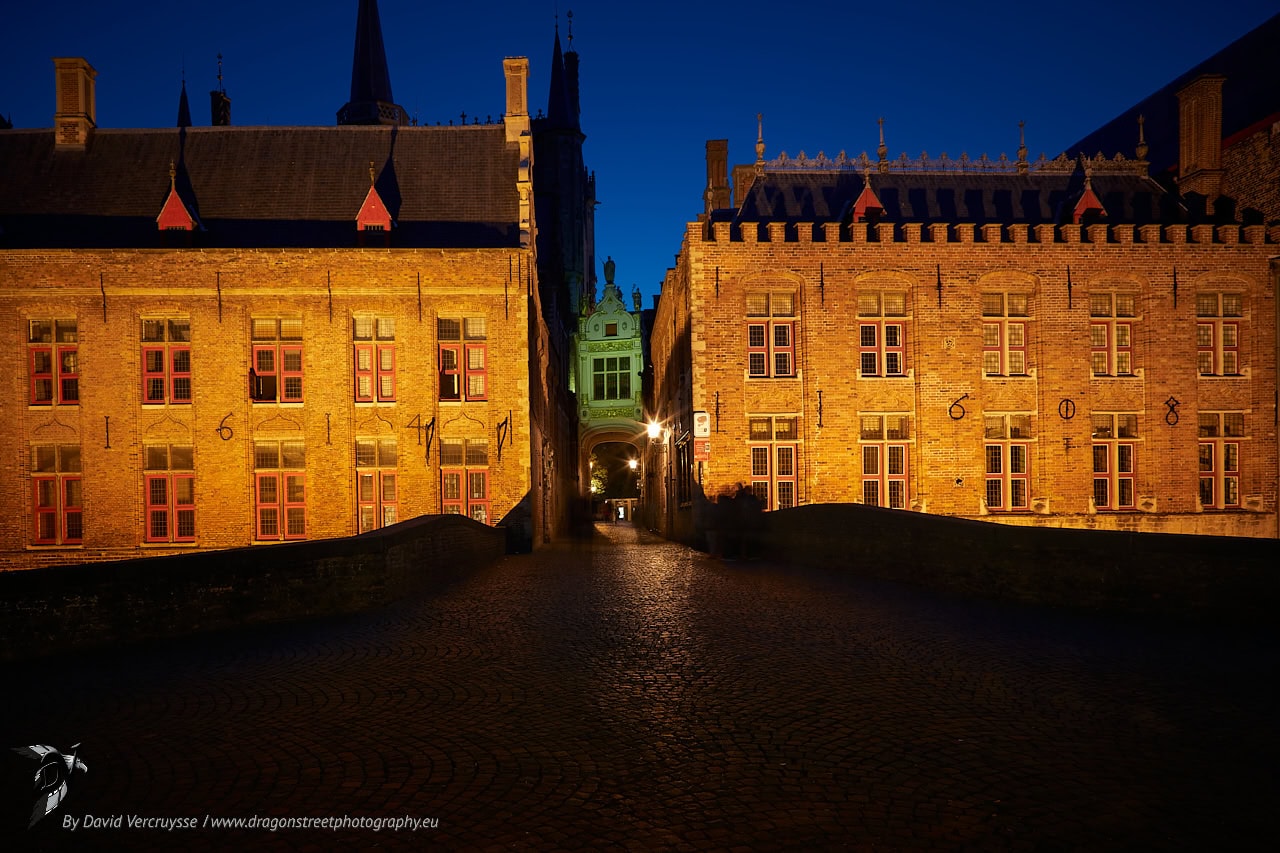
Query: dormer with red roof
<point x="373" y="215"/>
<point x="868" y="207"/>
<point x="1088" y="203"/>
<point x="174" y="215"/>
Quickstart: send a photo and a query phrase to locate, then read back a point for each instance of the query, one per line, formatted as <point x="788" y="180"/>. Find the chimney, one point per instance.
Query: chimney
<point x="717" y="195"/>
<point x="75" y="115"/>
<point x="219" y="103"/>
<point x="1200" y="137"/>
<point x="516" y="72"/>
<point x="220" y="108"/>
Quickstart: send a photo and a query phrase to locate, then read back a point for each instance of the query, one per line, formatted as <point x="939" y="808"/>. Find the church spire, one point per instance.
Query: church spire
<point x="371" y="99"/>
<point x="184" y="108"/>
<point x="558" y="110"/>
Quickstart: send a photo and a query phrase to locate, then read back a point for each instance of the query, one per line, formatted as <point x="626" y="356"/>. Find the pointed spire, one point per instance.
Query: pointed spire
<point x="558" y="112"/>
<point x="1142" y="138"/>
<point x="1023" y="166"/>
<point x="759" y="138"/>
<point x="184" y="108"/>
<point x="371" y="99"/>
<point x="882" y="150"/>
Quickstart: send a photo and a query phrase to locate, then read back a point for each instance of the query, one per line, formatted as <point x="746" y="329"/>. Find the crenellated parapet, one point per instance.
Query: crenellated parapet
<point x="1099" y="164"/>
<point x="1097" y="234"/>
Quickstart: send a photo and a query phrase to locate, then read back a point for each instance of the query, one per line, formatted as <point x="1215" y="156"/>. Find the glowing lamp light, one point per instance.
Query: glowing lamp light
<point x="655" y="430"/>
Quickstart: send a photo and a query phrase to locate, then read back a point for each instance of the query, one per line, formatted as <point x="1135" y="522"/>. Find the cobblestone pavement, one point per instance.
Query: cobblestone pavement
<point x="631" y="694"/>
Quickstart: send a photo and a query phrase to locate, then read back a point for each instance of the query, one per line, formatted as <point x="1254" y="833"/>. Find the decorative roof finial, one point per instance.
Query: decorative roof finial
<point x="759" y="138"/>
<point x="371" y="178"/>
<point x="173" y="174"/>
<point x="882" y="150"/>
<point x="1142" y="139"/>
<point x="569" y="15"/>
<point x="1023" y="167"/>
<point x="220" y="88"/>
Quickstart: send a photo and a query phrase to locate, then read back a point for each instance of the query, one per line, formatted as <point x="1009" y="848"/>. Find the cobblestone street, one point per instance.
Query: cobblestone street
<point x="629" y="693"/>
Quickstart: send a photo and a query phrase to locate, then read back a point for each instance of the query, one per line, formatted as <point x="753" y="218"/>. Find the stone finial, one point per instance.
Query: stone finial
<point x="371" y="174"/>
<point x="1142" y="149"/>
<point x="1023" y="166"/>
<point x="637" y="299"/>
<point x="173" y="174"/>
<point x="882" y="150"/>
<point x="609" y="268"/>
<point x="759" y="139"/>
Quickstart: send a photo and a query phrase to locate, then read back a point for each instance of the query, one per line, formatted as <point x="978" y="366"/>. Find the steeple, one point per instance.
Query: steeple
<point x="559" y="113"/>
<point x="184" y="108"/>
<point x="371" y="99"/>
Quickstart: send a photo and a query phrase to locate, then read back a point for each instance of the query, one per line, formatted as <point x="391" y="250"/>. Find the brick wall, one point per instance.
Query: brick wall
<point x="108" y="293"/>
<point x="1191" y="578"/>
<point x="58" y="609"/>
<point x="945" y="392"/>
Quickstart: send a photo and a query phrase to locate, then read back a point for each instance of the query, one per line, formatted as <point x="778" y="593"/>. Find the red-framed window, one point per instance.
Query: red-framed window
<point x="275" y="374"/>
<point x="377" y="497"/>
<point x="53" y="360"/>
<point x="774" y="448"/>
<point x="166" y="361"/>
<point x="1007" y="462"/>
<point x="1221" y="434"/>
<point x="1218" y="320"/>
<point x="57" y="495"/>
<point x="375" y="359"/>
<point x="1004" y="333"/>
<point x="279" y="490"/>
<point x="1115" y="460"/>
<point x="1111" y="318"/>
<point x="464" y="358"/>
<point x="771" y="334"/>
<point x="464" y="478"/>
<point x="883" y="441"/>
<point x="881" y="342"/>
<point x="169" y="493"/>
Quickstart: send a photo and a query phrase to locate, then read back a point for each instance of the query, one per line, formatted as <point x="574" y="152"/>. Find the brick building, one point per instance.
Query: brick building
<point x="220" y="336"/>
<point x="1060" y="342"/>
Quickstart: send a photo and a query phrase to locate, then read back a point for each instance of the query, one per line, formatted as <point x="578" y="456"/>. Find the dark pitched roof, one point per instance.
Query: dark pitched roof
<point x="1251" y="94"/>
<point x="261" y="186"/>
<point x="951" y="196"/>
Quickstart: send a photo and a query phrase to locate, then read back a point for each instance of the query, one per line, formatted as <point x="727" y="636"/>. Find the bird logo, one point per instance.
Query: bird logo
<point x="51" y="777"/>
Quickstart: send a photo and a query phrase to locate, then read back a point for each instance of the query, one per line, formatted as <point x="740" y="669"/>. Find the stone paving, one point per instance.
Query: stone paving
<point x="631" y="694"/>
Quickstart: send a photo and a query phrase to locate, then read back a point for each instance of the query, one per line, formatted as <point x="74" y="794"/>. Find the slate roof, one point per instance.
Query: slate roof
<point x="1250" y="95"/>
<point x="952" y="197"/>
<point x="445" y="187"/>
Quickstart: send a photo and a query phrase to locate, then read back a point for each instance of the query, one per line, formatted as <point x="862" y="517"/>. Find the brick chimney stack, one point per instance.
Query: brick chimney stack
<point x="717" y="195"/>
<point x="1200" y="136"/>
<point x="76" y="111"/>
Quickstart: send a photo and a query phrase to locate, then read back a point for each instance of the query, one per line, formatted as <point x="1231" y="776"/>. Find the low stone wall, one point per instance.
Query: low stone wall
<point x="49" y="610"/>
<point x="1197" y="578"/>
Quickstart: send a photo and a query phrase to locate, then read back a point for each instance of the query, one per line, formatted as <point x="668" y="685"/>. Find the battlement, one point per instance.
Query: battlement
<point x="924" y="164"/>
<point x="1099" y="234"/>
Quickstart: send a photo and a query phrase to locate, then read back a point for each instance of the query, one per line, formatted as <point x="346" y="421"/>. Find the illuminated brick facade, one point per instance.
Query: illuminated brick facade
<point x="382" y="456"/>
<point x="226" y="336"/>
<point x="1059" y="373"/>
